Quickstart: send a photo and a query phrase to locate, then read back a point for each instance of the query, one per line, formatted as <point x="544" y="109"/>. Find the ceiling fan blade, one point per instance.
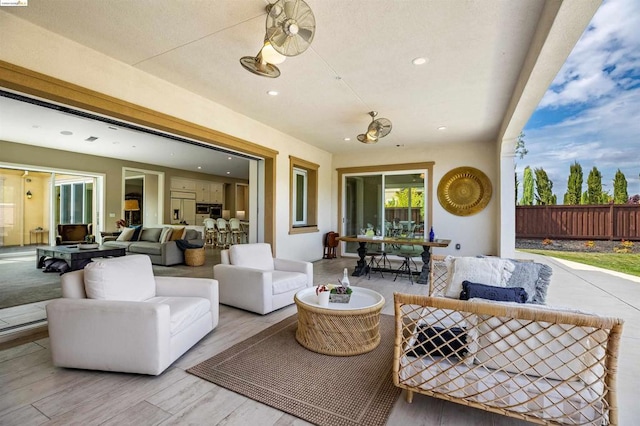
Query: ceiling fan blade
<point x="306" y="34"/>
<point x="290" y="8"/>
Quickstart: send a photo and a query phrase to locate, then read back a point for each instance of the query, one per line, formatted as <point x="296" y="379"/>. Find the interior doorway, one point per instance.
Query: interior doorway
<point x="143" y="199"/>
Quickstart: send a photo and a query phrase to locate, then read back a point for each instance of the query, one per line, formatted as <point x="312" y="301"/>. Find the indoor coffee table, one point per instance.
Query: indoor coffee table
<point x="73" y="255"/>
<point x="340" y="329"/>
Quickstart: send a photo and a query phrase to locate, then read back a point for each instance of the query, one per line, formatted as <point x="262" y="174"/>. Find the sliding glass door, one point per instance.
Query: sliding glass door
<point x="384" y="204"/>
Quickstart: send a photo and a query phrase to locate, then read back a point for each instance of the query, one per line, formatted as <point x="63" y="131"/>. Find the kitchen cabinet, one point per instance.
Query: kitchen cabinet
<point x="203" y="192"/>
<point x="216" y="191"/>
<point x="200" y="219"/>
<point x="183" y="184"/>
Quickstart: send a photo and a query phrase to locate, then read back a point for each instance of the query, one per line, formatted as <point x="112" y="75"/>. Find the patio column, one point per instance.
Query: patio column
<point x="507" y="209"/>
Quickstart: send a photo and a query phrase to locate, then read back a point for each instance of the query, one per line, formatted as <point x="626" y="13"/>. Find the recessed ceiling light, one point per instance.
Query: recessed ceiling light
<point x="229" y="158"/>
<point x="35" y="126"/>
<point x="347" y="139"/>
<point x="419" y="61"/>
<point x="112" y="128"/>
<point x="117" y="143"/>
<point x="199" y="167"/>
<point x="272" y="93"/>
<point x="66" y="133"/>
<point x="228" y="173"/>
<point x="442" y="128"/>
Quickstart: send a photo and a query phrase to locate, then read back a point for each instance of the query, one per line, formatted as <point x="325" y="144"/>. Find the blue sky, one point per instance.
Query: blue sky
<point x="591" y="111"/>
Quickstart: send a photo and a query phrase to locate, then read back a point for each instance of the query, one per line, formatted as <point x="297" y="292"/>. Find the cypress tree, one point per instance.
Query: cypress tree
<point x="620" y="194"/>
<point x="574" y="185"/>
<point x="584" y="198"/>
<point x="594" y="186"/>
<point x="527" y="187"/>
<point x="544" y="188"/>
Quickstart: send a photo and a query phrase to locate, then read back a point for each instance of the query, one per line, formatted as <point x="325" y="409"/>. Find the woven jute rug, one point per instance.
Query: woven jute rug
<point x="272" y="368"/>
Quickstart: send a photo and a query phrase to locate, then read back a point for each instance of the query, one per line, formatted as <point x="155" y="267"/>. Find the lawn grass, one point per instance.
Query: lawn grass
<point x="628" y="263"/>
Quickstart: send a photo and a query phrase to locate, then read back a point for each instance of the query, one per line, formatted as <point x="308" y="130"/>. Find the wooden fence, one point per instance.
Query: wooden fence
<point x="592" y="222"/>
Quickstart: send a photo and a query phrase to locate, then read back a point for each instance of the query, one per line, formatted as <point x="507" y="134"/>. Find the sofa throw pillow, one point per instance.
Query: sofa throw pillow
<point x="488" y="270"/>
<point x="177" y="233"/>
<point x="525" y="275"/>
<point x="151" y="234"/>
<point x="137" y="229"/>
<point x="126" y="234"/>
<point x="440" y="341"/>
<point x="190" y="234"/>
<point x="444" y="319"/>
<point x="489" y="292"/>
<point x="165" y="235"/>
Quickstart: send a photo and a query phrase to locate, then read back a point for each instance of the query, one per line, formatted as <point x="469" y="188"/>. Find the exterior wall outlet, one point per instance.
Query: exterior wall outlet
<point x="112" y="215"/>
<point x="457" y="246"/>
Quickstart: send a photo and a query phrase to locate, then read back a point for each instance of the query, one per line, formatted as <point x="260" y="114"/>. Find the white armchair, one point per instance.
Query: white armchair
<point x="251" y="279"/>
<point x="116" y="316"/>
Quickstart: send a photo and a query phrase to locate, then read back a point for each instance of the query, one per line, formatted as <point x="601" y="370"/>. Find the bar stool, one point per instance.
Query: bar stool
<point x="223" y="233"/>
<point x="235" y="231"/>
<point x="209" y="232"/>
<point x="405" y="267"/>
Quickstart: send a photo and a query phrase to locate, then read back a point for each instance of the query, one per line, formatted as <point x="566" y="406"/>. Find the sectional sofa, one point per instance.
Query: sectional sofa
<point x="159" y="243"/>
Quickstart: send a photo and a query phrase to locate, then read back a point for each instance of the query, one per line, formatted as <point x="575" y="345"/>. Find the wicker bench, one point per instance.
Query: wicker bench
<point x="531" y="362"/>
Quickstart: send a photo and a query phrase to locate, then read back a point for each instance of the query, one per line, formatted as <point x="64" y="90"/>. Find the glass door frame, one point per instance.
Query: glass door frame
<point x="423" y="167"/>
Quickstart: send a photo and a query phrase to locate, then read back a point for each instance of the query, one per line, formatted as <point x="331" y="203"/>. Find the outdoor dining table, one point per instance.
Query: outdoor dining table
<point x="361" y="264"/>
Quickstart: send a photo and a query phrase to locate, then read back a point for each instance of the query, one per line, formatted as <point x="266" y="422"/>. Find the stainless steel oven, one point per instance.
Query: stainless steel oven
<point x="215" y="211"/>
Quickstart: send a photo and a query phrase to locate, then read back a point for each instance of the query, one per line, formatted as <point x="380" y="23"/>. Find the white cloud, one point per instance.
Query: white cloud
<point x="603" y="56"/>
<point x="605" y="135"/>
<point x="601" y="81"/>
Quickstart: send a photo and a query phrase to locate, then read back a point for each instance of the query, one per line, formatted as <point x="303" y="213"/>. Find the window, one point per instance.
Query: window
<point x="75" y="202"/>
<point x="299" y="197"/>
<point x="303" y="196"/>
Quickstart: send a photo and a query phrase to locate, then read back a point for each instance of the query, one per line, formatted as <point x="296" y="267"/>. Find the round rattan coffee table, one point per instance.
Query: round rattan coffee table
<point x="340" y="329"/>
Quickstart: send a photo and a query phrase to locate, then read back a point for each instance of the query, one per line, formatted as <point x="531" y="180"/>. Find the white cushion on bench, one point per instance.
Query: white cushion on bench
<point x="521" y="393"/>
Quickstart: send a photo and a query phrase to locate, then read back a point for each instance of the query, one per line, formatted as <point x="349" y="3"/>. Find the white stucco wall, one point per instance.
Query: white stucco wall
<point x="476" y="234"/>
<point x="32" y="47"/>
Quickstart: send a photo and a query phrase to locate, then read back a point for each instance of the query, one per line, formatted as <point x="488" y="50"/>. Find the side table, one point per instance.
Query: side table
<point x="194" y="256"/>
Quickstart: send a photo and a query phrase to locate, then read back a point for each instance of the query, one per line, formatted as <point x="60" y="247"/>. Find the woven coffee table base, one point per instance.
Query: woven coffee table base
<point x="337" y="332"/>
<point x="194" y="257"/>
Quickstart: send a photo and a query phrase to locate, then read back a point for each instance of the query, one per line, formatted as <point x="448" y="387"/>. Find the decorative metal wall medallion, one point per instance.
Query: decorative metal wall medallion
<point x="464" y="191"/>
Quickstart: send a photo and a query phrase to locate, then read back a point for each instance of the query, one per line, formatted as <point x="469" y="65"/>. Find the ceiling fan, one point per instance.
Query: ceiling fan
<point x="290" y="27"/>
<point x="378" y="128"/>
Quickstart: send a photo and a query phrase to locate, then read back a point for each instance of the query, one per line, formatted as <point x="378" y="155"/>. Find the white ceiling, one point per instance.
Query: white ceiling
<point x="360" y="60"/>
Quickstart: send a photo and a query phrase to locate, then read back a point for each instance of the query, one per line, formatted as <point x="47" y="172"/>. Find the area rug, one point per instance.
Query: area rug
<point x="21" y="282"/>
<point x="272" y="368"/>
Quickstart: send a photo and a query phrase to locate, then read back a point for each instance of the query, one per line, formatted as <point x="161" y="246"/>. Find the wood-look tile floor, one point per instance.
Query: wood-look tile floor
<point x="33" y="391"/>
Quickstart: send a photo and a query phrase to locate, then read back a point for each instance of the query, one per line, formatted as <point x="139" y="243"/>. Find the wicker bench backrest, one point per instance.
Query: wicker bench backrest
<point x="529" y="362"/>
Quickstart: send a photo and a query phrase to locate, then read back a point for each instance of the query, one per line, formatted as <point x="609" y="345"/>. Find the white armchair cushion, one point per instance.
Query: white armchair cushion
<point x="284" y="281"/>
<point x="128" y="278"/>
<point x="183" y="311"/>
<point x="256" y="256"/>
